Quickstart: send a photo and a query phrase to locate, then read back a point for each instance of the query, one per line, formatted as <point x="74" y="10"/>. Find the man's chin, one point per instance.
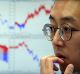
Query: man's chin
<point x="62" y="68"/>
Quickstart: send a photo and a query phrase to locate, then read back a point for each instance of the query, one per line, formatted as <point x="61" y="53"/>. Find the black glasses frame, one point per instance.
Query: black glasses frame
<point x="49" y="25"/>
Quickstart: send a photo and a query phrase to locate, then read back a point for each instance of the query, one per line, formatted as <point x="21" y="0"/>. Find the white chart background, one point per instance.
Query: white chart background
<point x="19" y="59"/>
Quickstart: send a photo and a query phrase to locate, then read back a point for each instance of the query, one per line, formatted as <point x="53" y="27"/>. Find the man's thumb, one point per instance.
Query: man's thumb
<point x="69" y="69"/>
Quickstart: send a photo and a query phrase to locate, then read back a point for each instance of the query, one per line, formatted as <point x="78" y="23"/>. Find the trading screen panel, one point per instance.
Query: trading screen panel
<point x="22" y="42"/>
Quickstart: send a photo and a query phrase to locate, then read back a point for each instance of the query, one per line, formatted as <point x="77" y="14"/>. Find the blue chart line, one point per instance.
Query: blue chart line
<point x="6" y="23"/>
<point x="30" y="52"/>
<point x="5" y="57"/>
<point x="4" y="53"/>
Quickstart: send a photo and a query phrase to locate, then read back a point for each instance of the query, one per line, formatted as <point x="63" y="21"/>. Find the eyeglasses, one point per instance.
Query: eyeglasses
<point x="65" y="31"/>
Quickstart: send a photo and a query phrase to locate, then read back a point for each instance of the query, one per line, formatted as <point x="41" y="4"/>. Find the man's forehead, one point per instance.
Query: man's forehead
<point x="66" y="8"/>
<point x="58" y="7"/>
<point x="60" y="3"/>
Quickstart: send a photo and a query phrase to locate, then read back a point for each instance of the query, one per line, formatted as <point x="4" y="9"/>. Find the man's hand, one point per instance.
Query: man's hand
<point x="47" y="65"/>
<point x="69" y="69"/>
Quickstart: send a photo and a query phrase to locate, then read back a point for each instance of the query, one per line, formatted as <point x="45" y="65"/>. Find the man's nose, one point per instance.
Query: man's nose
<point x="57" y="41"/>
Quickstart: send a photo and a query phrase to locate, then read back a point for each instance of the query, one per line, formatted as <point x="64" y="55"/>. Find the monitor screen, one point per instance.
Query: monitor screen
<point x="22" y="42"/>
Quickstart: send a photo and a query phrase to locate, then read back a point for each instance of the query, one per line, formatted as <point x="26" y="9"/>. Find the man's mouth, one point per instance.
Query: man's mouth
<point x="64" y="58"/>
<point x="61" y="56"/>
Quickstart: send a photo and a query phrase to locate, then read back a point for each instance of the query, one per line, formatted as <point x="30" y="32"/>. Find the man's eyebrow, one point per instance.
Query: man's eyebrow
<point x="51" y="17"/>
<point x="68" y="18"/>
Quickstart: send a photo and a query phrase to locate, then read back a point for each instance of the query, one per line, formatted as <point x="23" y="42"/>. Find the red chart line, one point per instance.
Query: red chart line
<point x="35" y="13"/>
<point x="6" y="48"/>
<point x="34" y="56"/>
<point x="20" y="45"/>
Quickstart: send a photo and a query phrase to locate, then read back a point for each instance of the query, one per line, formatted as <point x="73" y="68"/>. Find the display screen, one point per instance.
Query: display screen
<point x="22" y="42"/>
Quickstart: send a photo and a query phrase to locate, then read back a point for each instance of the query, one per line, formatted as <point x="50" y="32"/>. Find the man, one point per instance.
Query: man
<point x="64" y="33"/>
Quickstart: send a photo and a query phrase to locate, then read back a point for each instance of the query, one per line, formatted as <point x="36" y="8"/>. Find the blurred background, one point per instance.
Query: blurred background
<point x="22" y="42"/>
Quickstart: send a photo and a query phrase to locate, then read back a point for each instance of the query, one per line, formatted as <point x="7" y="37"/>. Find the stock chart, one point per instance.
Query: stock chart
<point x="22" y="42"/>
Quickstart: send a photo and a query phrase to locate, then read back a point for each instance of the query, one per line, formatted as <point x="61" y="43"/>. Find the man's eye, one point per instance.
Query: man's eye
<point x="53" y="30"/>
<point x="66" y="29"/>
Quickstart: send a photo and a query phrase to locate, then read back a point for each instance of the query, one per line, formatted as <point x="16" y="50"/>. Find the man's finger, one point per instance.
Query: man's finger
<point x="69" y="69"/>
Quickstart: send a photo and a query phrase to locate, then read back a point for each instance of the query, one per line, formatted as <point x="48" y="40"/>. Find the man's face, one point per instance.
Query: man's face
<point x="68" y="12"/>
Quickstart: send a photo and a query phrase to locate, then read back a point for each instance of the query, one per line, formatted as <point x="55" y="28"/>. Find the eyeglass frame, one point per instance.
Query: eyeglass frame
<point x="48" y="25"/>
